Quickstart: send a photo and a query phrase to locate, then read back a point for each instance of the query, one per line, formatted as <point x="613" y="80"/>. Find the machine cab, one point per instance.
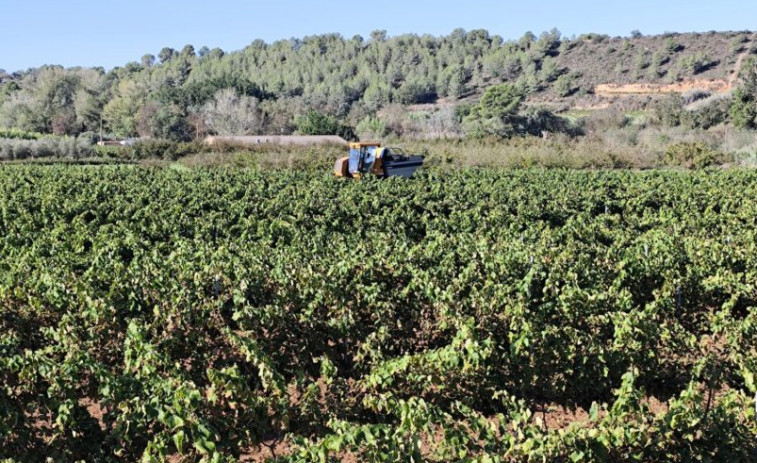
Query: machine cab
<point x="364" y="158"/>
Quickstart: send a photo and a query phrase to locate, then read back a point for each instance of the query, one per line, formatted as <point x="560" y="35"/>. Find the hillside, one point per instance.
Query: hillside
<point x="653" y="65"/>
<point x="363" y="83"/>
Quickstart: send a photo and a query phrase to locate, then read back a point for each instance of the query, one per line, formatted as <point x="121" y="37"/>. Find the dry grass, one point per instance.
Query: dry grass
<point x="611" y="141"/>
<point x="268" y="157"/>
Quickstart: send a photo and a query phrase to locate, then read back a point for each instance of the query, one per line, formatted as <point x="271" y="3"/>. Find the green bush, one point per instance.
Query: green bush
<point x="564" y="86"/>
<point x="22" y="151"/>
<point x="315" y="123"/>
<point x="709" y="114"/>
<point x="45" y="147"/>
<point x="20" y="134"/>
<point x="112" y="152"/>
<point x="744" y="105"/>
<point x="152" y="149"/>
<point x="669" y="111"/>
<point x="497" y="112"/>
<point x="671" y="46"/>
<point x="192" y="147"/>
<point x="692" y="155"/>
<point x="696" y="63"/>
<point x="416" y="91"/>
<point x="743" y="109"/>
<point x="538" y="121"/>
<point x="371" y="127"/>
<point x="88" y="137"/>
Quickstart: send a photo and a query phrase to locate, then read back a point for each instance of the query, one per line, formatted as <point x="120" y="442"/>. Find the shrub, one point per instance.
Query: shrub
<point x="539" y="121"/>
<point x="692" y="155"/>
<point x="371" y="127"/>
<point x="192" y="147"/>
<point x="154" y="149"/>
<point x="695" y="95"/>
<point x="111" y="152"/>
<point x="6" y="151"/>
<point x="416" y="91"/>
<point x="738" y="42"/>
<point x="90" y="138"/>
<point x="497" y="112"/>
<point x="46" y="147"/>
<point x="607" y="119"/>
<point x="669" y="111"/>
<point x="22" y="150"/>
<point x="564" y="86"/>
<point x="315" y="123"/>
<point x="707" y="113"/>
<point x="19" y="134"/>
<point x="696" y="63"/>
<point x="671" y="46"/>
<point x="744" y="105"/>
<point x="594" y="38"/>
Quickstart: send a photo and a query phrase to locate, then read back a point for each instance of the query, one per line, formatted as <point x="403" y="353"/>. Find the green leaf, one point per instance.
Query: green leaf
<point x="178" y="440"/>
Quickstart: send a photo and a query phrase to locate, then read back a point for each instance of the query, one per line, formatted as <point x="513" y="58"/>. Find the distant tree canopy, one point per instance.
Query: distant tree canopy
<point x="147" y="60"/>
<point x="497" y="112"/>
<point x="344" y="79"/>
<point x="54" y="100"/>
<point x="166" y="54"/>
<point x="500" y="112"/>
<point x="228" y="113"/>
<point x="349" y="81"/>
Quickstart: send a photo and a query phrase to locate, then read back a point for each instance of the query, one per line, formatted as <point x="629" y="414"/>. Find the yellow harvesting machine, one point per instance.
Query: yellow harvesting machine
<point x="371" y="158"/>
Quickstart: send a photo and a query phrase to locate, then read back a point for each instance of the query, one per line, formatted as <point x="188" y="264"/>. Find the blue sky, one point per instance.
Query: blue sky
<point x="111" y="33"/>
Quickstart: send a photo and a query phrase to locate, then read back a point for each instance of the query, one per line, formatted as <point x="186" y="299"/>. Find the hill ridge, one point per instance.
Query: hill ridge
<point x="353" y="79"/>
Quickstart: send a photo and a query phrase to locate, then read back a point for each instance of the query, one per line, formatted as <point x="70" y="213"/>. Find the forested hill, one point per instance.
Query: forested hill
<point x="268" y="87"/>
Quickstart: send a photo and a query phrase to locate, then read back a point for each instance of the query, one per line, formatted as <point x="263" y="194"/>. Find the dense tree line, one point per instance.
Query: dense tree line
<point x="272" y="87"/>
<point x="357" y="83"/>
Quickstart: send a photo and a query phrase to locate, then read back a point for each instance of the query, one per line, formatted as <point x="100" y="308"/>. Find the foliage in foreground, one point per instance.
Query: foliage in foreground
<point x="206" y="314"/>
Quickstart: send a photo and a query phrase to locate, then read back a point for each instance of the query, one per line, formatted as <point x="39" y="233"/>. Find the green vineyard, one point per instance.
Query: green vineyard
<point x="483" y="315"/>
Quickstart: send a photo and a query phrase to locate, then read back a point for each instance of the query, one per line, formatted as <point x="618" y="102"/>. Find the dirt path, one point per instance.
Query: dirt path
<point x="714" y="86"/>
<point x="739" y="63"/>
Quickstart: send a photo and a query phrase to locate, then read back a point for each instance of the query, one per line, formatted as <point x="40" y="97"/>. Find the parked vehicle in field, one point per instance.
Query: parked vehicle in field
<point x="371" y="158"/>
